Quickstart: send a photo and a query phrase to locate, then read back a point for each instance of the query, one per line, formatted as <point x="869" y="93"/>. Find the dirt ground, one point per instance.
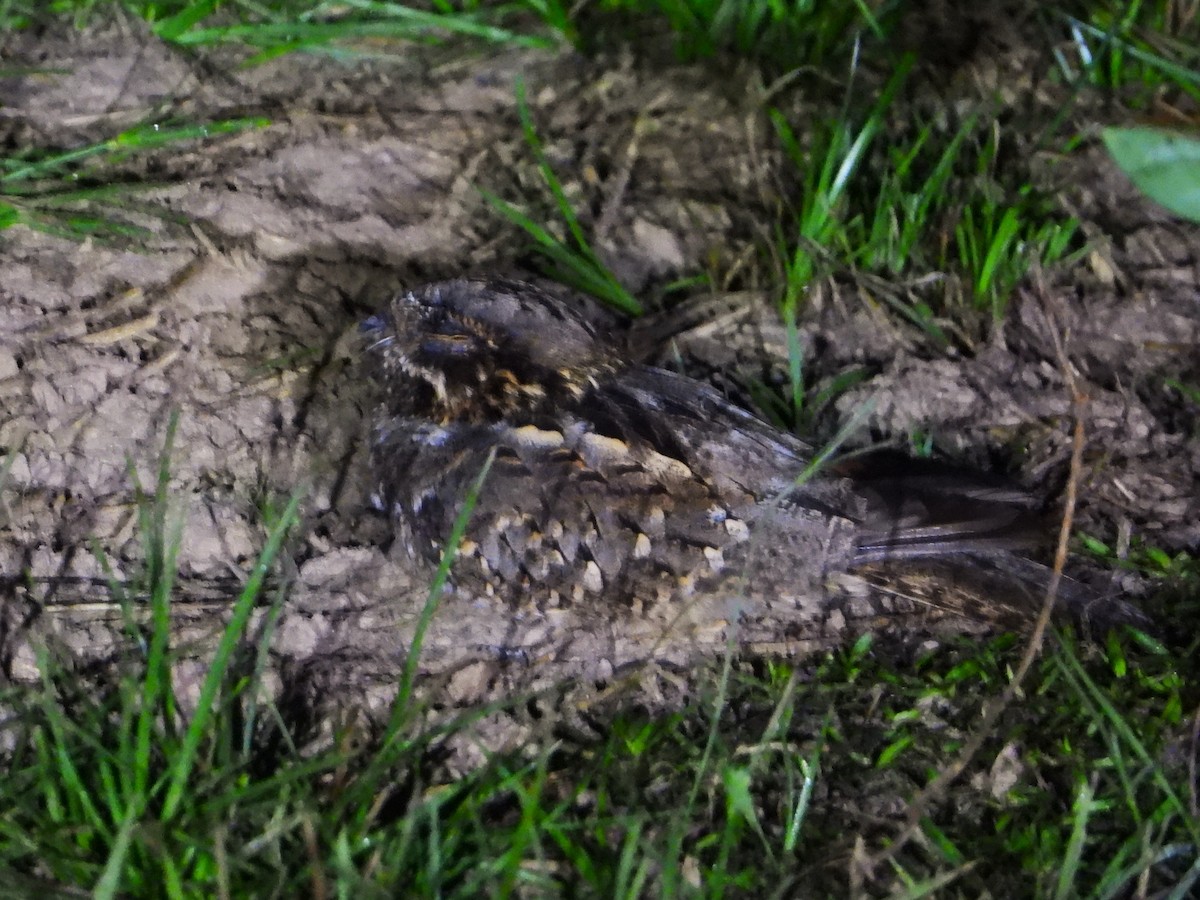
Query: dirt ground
<point x="243" y="317"/>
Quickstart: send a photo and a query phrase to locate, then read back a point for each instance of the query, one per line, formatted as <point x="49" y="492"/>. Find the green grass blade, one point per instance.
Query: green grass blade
<point x="402" y="24"/>
<point x="182" y="765"/>
<point x="141" y="137"/>
<point x="109" y="885"/>
<point x="173" y="27"/>
<point x="161" y="553"/>
<point x="412" y="659"/>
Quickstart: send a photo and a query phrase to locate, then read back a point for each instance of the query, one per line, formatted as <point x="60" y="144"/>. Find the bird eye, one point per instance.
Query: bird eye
<point x="455" y="345"/>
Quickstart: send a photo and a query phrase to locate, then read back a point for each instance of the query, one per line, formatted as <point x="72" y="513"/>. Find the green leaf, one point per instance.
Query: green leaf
<point x="1163" y="164"/>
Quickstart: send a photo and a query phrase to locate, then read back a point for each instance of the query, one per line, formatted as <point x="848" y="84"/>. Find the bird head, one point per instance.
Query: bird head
<point x="474" y="353"/>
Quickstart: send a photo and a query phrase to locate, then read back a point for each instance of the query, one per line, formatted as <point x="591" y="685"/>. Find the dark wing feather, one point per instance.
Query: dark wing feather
<point x="694" y="423"/>
<point x="921" y="508"/>
<point x="564" y="512"/>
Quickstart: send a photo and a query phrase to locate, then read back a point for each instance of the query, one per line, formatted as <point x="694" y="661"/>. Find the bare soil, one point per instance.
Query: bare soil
<point x="243" y="318"/>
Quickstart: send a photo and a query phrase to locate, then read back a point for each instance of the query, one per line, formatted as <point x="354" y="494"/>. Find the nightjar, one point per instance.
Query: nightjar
<point x="614" y="486"/>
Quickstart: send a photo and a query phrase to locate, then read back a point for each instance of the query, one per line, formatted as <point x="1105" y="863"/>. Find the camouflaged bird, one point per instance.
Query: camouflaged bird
<point x="614" y="485"/>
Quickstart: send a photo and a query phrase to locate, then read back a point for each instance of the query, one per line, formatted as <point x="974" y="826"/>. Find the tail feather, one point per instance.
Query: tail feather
<point x="926" y="521"/>
<point x="918" y="508"/>
<point x="1003" y="588"/>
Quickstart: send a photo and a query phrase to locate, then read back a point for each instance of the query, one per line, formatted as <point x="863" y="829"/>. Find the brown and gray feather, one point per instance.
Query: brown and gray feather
<point x="616" y="484"/>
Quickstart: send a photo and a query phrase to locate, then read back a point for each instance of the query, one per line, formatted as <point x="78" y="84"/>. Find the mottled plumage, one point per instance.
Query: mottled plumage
<point x="616" y="484"/>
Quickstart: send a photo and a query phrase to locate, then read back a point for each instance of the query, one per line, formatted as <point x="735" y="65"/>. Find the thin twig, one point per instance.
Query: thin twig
<point x="995" y="708"/>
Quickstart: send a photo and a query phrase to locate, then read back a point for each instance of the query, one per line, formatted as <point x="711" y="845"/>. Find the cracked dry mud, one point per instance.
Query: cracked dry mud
<point x="244" y="320"/>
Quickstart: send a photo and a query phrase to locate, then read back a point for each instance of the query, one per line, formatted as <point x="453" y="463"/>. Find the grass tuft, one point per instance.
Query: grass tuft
<point x="917" y="206"/>
<point x="781" y="35"/>
<point x="347" y="28"/>
<point x="73" y="194"/>
<point x="573" y="262"/>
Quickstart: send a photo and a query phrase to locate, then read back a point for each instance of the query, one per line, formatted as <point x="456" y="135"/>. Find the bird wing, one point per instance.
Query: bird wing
<point x="564" y="512"/>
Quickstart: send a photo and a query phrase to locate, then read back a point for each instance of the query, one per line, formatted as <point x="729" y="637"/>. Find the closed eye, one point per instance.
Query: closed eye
<point x="456" y="345"/>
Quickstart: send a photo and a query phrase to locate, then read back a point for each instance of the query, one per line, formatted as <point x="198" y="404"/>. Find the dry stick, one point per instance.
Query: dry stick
<point x="614" y="198"/>
<point x="996" y="708"/>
